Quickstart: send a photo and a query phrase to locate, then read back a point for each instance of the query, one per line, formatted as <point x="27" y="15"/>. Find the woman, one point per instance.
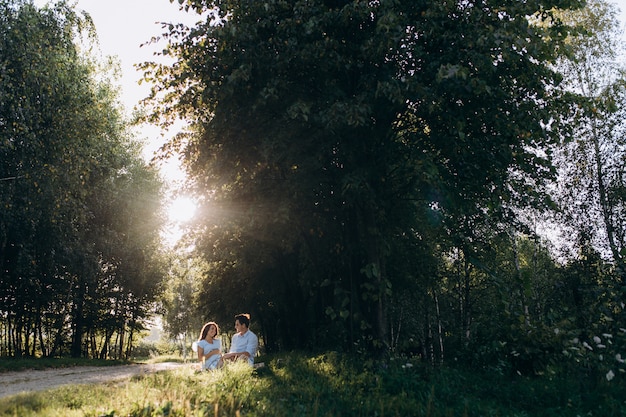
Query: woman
<point x="209" y="347"/>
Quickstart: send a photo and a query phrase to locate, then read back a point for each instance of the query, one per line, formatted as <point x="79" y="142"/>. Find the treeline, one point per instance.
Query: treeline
<point x="79" y="208"/>
<point x="379" y="177"/>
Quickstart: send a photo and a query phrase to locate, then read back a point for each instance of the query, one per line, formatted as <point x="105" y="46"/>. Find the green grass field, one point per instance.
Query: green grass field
<point x="327" y="385"/>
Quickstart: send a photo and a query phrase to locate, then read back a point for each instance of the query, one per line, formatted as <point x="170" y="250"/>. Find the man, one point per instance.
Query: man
<point x="244" y="344"/>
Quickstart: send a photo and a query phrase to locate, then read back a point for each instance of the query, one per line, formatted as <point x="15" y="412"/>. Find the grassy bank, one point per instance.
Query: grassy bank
<point x="327" y="385"/>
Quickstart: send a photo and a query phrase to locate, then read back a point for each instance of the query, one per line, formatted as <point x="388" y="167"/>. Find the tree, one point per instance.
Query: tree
<point x="592" y="159"/>
<point x="324" y="131"/>
<point x="590" y="189"/>
<point x="80" y="209"/>
<point x="179" y="313"/>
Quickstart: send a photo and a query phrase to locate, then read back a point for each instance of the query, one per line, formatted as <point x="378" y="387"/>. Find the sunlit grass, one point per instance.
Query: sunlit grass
<point x="323" y="386"/>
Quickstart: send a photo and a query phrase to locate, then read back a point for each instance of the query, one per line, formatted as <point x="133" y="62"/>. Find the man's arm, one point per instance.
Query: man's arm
<point x="249" y="351"/>
<point x="236" y="355"/>
<point x="232" y="355"/>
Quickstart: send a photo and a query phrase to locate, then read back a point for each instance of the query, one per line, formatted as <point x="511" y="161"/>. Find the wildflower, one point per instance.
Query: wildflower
<point x="610" y="375"/>
<point x="597" y="340"/>
<point x="409" y="365"/>
<point x="618" y="358"/>
<point x="585" y="344"/>
<point x="607" y="335"/>
<point x="575" y="341"/>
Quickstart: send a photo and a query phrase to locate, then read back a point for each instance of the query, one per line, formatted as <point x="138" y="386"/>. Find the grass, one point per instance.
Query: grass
<point x="11" y="364"/>
<point x="323" y="386"/>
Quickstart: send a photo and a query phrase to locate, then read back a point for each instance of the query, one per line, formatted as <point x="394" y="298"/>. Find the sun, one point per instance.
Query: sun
<point x="181" y="210"/>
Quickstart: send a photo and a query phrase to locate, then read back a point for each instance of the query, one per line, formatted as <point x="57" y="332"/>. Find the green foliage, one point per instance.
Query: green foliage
<point x="80" y="210"/>
<point x="592" y="158"/>
<point x="329" y="384"/>
<point x="160" y="348"/>
<point x="182" y="287"/>
<point x="330" y="140"/>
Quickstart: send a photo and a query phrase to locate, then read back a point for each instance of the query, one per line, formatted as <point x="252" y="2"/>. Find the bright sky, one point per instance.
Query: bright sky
<point x="122" y="26"/>
<point x="621" y="4"/>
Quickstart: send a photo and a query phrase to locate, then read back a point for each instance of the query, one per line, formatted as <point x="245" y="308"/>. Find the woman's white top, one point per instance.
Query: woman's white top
<point x="211" y="362"/>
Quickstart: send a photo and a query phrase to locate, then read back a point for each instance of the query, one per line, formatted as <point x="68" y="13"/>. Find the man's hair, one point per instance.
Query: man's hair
<point x="243" y="318"/>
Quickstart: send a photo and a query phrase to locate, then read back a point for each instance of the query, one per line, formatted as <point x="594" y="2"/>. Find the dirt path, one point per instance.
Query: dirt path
<point x="33" y="380"/>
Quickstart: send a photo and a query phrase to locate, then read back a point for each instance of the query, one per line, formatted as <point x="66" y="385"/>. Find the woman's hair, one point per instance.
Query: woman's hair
<point x="206" y="327"/>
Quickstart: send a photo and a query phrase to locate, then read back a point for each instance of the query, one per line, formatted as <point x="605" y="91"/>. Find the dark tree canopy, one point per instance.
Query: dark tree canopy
<point x="328" y="137"/>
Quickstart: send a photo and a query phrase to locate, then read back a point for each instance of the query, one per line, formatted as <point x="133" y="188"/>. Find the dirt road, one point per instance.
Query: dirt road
<point x="33" y="380"/>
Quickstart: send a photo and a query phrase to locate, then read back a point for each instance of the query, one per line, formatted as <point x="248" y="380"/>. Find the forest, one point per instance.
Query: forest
<point x="442" y="180"/>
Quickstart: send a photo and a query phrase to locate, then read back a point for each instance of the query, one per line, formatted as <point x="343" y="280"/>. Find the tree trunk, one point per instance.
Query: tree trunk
<point x="521" y="283"/>
<point x="605" y="203"/>
<point x="78" y="321"/>
<point x="121" y="339"/>
<point x="105" y="345"/>
<point x="439" y="329"/>
<point x="375" y="259"/>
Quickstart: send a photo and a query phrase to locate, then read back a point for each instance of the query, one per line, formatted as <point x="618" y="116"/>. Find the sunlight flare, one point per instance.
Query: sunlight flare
<point x="181" y="210"/>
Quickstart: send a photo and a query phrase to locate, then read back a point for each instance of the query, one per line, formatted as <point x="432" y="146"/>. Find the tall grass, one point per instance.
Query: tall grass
<point x="323" y="386"/>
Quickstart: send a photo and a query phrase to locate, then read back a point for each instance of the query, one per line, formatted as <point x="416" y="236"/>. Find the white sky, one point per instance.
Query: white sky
<point x="122" y="27"/>
<point x="621" y="4"/>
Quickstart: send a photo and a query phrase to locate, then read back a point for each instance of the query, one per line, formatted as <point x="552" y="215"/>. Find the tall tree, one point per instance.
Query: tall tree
<point x="324" y="131"/>
<point x="592" y="160"/>
<point x="78" y="202"/>
<point x="591" y="187"/>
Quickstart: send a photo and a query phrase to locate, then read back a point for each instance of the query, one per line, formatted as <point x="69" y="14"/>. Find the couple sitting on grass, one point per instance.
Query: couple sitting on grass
<point x="243" y="347"/>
